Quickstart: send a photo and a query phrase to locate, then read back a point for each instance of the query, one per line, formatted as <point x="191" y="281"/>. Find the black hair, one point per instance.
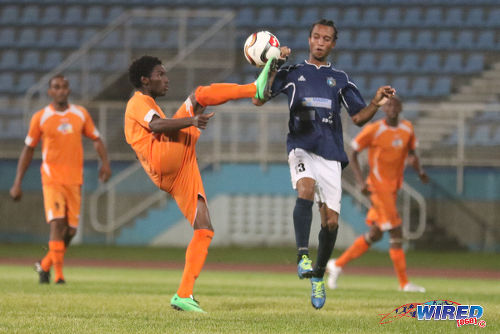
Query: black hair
<point x="142" y="67"/>
<point x="59" y="75"/>
<point x="325" y="22"/>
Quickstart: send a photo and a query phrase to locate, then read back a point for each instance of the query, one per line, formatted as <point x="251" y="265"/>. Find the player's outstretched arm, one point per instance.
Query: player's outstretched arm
<point x="381" y="97"/>
<point x="22" y="165"/>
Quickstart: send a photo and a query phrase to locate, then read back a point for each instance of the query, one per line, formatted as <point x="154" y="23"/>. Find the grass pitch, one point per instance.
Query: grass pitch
<point x="116" y="300"/>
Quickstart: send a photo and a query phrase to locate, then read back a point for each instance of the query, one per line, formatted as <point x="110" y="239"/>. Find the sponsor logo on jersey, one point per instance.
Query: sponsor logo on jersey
<point x="65" y="128"/>
<point x="317" y="102"/>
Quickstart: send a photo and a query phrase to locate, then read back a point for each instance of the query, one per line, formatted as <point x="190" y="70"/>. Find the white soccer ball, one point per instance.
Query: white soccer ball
<point x="260" y="46"/>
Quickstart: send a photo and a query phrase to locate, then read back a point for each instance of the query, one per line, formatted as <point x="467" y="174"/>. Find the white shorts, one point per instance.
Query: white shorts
<point x="326" y="173"/>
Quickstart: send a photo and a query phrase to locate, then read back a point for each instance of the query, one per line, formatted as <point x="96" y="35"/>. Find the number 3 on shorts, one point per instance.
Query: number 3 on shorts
<point x="300" y="167"/>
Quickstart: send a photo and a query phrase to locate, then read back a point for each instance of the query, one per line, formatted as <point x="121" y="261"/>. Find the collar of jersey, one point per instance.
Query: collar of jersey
<point x="318" y="67"/>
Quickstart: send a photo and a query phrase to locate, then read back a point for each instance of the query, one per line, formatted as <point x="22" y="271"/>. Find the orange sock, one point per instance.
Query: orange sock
<point x="219" y="93"/>
<point x="57" y="250"/>
<point x="46" y="262"/>
<point x="196" y="254"/>
<point x="399" y="260"/>
<point x="358" y="248"/>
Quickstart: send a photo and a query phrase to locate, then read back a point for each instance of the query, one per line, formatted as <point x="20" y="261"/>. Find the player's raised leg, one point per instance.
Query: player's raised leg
<point x="219" y="93"/>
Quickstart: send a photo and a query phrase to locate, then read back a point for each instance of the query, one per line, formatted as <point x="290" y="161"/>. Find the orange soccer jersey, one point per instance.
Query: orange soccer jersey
<point x="388" y="148"/>
<point x="62" y="150"/>
<point x="169" y="160"/>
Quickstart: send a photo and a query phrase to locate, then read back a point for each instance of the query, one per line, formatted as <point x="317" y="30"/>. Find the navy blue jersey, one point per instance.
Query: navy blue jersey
<point x="315" y="95"/>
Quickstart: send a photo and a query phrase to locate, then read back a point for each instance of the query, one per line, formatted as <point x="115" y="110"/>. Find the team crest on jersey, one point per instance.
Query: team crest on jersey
<point x="65" y="128"/>
<point x="398" y="142"/>
<point x="331" y="81"/>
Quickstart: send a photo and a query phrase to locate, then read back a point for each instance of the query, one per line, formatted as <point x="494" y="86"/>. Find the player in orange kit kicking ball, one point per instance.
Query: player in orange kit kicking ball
<point x="389" y="142"/>
<point x="166" y="149"/>
<point x="60" y="126"/>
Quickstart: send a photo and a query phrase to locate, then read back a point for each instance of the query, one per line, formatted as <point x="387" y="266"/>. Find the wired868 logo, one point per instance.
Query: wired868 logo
<point x="438" y="310"/>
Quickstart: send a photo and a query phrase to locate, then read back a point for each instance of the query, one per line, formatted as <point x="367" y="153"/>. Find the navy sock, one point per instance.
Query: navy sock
<point x="327" y="240"/>
<point x="302" y="218"/>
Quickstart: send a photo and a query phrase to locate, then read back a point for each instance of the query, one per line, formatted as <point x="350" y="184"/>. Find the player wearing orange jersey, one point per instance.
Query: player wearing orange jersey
<point x="389" y="141"/>
<point x="60" y="126"/>
<point x="166" y="149"/>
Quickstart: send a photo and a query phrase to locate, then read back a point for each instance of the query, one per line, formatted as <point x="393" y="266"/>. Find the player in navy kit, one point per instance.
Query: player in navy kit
<point x="316" y="91"/>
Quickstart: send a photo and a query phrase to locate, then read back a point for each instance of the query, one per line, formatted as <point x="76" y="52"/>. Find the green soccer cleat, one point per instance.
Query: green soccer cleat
<point x="188" y="304"/>
<point x="263" y="82"/>
<point x="304" y="268"/>
<point x="318" y="294"/>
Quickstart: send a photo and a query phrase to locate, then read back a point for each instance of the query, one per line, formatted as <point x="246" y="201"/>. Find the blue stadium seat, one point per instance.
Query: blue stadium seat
<point x="48" y="38"/>
<point x="403" y="40"/>
<point x="375" y="83"/>
<point x="454" y="17"/>
<point x="288" y="17"/>
<point x="360" y="82"/>
<point x="51" y="15"/>
<point x="481" y="136"/>
<point x="69" y="38"/>
<point x="453" y="63"/>
<point x="391" y="17"/>
<point x="25" y="81"/>
<point x="442" y="86"/>
<point x="364" y="39"/>
<point x="265" y="18"/>
<point x="74" y="82"/>
<point x="52" y="59"/>
<point x="465" y="40"/>
<point x="486" y="40"/>
<point x="495" y="139"/>
<point x="474" y="63"/>
<point x="285" y="36"/>
<point x="350" y="17"/>
<point x="7" y="37"/>
<point x="383" y="40"/>
<point x="424" y="40"/>
<point x="98" y="60"/>
<point x="73" y="15"/>
<point x="27" y="38"/>
<point x="311" y="14"/>
<point x="9" y="60"/>
<point x="172" y="40"/>
<point x="245" y="17"/>
<point x="30" y="61"/>
<point x="331" y="13"/>
<point x="150" y="40"/>
<point x="493" y="18"/>
<point x="475" y="17"/>
<point x="413" y="17"/>
<point x="95" y="82"/>
<point x="388" y="63"/>
<point x="401" y="84"/>
<point x="371" y="17"/>
<point x="366" y="62"/>
<point x="431" y="63"/>
<point x="409" y="63"/>
<point x="298" y="57"/>
<point x="344" y="62"/>
<point x="345" y="40"/>
<point x="114" y="39"/>
<point x="444" y="40"/>
<point x="299" y="41"/>
<point x="30" y="15"/>
<point x="10" y="14"/>
<point x="118" y="61"/>
<point x="114" y="12"/>
<point x="95" y="15"/>
<point x="433" y="17"/>
<point x="420" y="87"/>
<point x="86" y="34"/>
<point x="7" y="82"/>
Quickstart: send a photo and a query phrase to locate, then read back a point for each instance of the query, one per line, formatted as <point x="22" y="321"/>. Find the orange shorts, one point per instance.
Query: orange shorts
<point x="62" y="201"/>
<point x="383" y="211"/>
<point x="176" y="167"/>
